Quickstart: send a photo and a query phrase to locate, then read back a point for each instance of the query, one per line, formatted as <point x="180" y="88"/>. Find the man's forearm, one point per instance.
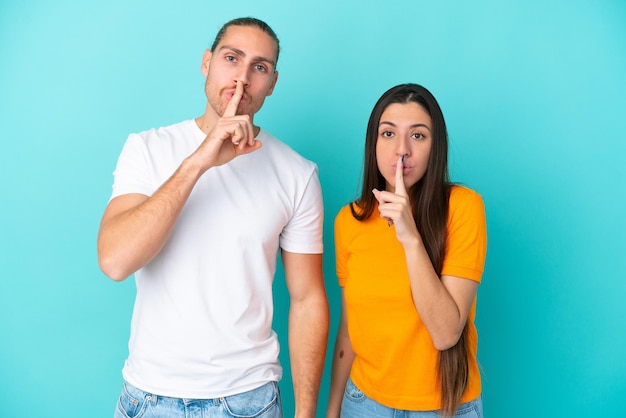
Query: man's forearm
<point x="308" y="336"/>
<point x="134" y="229"/>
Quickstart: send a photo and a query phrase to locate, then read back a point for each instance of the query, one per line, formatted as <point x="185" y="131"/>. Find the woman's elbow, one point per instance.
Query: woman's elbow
<point x="444" y="342"/>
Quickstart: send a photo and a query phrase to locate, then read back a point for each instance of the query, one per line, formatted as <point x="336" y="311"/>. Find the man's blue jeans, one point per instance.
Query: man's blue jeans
<point x="263" y="402"/>
<point x="357" y="405"/>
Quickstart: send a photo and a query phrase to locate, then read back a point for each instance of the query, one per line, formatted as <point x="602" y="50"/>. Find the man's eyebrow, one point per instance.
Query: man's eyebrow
<point x="243" y="54"/>
<point x="416" y="125"/>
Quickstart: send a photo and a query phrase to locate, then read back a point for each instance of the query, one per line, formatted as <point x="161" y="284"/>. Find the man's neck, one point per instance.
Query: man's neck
<point x="207" y="121"/>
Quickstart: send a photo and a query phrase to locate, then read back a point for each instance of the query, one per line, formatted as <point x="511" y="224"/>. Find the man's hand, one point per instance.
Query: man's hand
<point x="231" y="136"/>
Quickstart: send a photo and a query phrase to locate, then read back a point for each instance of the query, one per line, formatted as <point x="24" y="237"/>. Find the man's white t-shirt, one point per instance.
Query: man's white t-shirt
<point x="202" y="321"/>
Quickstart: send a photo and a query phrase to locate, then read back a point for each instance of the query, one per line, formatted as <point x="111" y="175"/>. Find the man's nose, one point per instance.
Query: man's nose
<point x="243" y="76"/>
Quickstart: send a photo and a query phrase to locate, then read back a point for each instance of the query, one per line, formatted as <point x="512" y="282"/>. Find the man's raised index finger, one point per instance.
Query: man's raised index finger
<point x="233" y="104"/>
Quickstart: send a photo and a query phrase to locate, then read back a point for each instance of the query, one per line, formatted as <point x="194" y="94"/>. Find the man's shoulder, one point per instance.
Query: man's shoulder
<point x="279" y="149"/>
<point x="183" y="134"/>
<point x="179" y="127"/>
<point x="276" y="144"/>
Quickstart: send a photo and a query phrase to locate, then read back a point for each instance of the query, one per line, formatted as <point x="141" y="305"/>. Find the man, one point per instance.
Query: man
<point x="198" y="212"/>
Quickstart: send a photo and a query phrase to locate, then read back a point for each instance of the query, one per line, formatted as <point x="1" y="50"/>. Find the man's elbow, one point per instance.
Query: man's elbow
<point x="315" y="306"/>
<point x="111" y="268"/>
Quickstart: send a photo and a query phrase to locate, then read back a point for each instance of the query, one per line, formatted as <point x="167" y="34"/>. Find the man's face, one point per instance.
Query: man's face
<point x="245" y="54"/>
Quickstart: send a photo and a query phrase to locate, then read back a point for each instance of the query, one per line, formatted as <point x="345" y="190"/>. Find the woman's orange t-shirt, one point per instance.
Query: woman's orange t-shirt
<point x="396" y="361"/>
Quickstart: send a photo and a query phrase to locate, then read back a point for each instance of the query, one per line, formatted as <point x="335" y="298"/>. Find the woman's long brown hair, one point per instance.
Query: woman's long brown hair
<point x="429" y="199"/>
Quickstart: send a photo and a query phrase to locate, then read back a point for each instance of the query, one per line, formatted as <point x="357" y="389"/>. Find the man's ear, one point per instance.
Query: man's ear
<point x="206" y="59"/>
<point x="271" y="89"/>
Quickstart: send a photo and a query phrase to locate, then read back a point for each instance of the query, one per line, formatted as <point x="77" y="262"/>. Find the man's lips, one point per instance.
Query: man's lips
<point x="229" y="95"/>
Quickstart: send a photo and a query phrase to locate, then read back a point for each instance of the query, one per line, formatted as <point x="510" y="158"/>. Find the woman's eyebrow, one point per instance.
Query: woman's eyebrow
<point x="415" y="125"/>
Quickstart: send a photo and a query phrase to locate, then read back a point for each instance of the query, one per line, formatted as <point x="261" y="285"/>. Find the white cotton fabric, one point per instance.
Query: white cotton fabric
<point x="202" y="321"/>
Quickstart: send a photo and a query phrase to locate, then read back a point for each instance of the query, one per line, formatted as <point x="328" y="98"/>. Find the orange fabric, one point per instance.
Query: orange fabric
<point x="396" y="361"/>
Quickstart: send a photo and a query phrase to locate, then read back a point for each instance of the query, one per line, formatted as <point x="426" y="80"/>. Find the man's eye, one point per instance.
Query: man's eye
<point x="261" y="68"/>
<point x="230" y="58"/>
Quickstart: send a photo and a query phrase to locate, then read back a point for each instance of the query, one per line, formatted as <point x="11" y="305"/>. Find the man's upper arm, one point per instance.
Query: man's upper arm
<point x="303" y="274"/>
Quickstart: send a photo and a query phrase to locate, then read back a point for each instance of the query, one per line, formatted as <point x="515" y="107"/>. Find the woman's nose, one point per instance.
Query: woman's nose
<point x="403" y="147"/>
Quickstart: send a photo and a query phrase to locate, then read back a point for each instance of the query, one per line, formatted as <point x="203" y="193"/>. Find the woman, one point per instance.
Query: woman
<point x="410" y="254"/>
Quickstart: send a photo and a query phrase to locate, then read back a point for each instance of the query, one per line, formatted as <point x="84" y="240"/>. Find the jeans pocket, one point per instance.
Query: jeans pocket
<point x="352" y="392"/>
<point x="471" y="409"/>
<point x="255" y="403"/>
<point x="132" y="401"/>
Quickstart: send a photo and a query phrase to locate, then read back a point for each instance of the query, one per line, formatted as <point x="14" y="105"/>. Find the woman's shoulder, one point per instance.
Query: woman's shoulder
<point x="346" y="218"/>
<point x="460" y="193"/>
<point x="465" y="200"/>
<point x="345" y="212"/>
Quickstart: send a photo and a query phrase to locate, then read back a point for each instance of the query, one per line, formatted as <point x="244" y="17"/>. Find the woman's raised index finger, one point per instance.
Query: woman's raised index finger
<point x="400" y="189"/>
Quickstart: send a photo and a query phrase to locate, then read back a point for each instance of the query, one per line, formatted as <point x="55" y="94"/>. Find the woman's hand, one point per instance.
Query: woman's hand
<point x="396" y="208"/>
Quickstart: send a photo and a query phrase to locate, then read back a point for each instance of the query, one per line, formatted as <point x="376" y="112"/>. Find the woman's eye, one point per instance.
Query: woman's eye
<point x="386" y="134"/>
<point x="417" y="135"/>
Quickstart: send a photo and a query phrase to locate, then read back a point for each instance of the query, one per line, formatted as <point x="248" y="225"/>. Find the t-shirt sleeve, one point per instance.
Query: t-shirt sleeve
<point x="303" y="233"/>
<point x="132" y="173"/>
<point x="467" y="236"/>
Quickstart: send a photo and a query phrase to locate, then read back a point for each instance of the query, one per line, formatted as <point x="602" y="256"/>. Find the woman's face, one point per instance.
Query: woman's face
<point x="404" y="129"/>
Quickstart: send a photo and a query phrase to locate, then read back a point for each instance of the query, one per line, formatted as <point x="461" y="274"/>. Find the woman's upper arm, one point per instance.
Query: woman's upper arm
<point x="463" y="292"/>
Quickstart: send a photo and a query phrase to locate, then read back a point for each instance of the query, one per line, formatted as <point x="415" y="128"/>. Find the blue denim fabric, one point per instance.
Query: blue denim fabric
<point x="263" y="402"/>
<point x="356" y="404"/>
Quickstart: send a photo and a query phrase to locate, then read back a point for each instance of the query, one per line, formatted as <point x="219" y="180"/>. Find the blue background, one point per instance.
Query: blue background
<point x="534" y="96"/>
